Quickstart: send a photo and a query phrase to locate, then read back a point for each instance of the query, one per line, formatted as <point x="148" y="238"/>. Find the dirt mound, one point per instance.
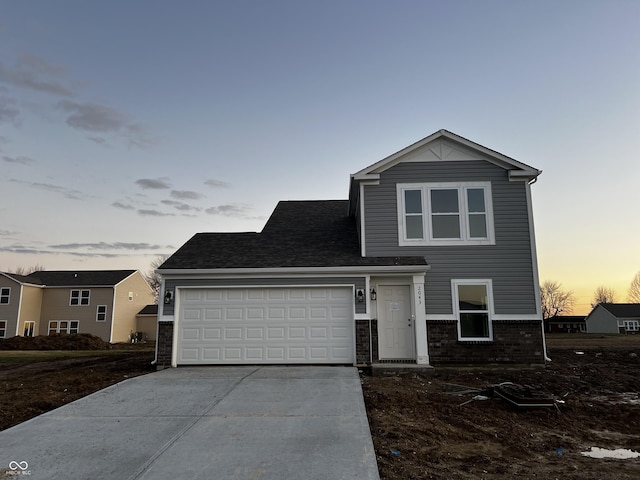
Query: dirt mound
<point x="80" y="341"/>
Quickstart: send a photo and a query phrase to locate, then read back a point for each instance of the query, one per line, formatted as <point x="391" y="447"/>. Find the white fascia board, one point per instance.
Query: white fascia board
<point x="524" y="174"/>
<point x="370" y="177"/>
<point x="298" y="271"/>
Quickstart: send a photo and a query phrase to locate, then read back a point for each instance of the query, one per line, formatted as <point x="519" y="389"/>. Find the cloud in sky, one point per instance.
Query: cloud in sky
<point x="110" y="246"/>
<point x="231" y="210"/>
<point x="22" y="160"/>
<point x="154" y="183"/>
<point x="64" y="191"/>
<point x="154" y="213"/>
<point x="98" y="140"/>
<point x="92" y="117"/>
<point x="8" y="112"/>
<point x="35" y="73"/>
<point x="217" y="183"/>
<point x="123" y="206"/>
<point x="181" y="206"/>
<point x="186" y="195"/>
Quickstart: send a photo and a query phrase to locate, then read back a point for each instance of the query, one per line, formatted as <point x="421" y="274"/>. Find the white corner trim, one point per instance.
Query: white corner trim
<point x="363" y="233"/>
<point x="534" y="253"/>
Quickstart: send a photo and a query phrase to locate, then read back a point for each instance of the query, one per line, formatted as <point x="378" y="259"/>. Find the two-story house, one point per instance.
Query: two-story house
<point x="100" y="302"/>
<point x="430" y="261"/>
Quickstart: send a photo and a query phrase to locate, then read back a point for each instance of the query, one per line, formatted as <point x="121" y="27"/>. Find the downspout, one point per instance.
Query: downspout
<point x="533" y="251"/>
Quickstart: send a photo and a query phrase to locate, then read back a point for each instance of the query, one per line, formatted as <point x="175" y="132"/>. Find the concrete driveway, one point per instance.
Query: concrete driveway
<point x="203" y="423"/>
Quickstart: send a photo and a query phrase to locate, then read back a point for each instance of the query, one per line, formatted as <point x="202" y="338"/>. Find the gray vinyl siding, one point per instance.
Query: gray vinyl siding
<point x="508" y="263"/>
<point x="171" y="284"/>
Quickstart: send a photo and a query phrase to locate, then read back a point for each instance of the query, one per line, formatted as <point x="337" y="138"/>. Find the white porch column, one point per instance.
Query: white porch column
<point x="420" y="321"/>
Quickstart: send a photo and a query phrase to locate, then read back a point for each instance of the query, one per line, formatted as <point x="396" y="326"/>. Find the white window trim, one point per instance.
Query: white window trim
<point x="456" y="306"/>
<point x="98" y="313"/>
<point x="6" y="325"/>
<point x="29" y="324"/>
<point x="80" y="297"/>
<point x="427" y="239"/>
<point x="68" y="329"/>
<point x="8" y="295"/>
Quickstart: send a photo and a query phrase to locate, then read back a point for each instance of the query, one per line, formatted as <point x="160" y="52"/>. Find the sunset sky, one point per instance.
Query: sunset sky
<point x="127" y="127"/>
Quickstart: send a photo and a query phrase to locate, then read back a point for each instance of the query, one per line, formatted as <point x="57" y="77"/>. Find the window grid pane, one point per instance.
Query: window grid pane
<point x="475" y="200"/>
<point x="445" y="226"/>
<point x="444" y="201"/>
<point x="413" y="201"/>
<point x="477" y="225"/>
<point x="413" y="225"/>
<point x="474" y="325"/>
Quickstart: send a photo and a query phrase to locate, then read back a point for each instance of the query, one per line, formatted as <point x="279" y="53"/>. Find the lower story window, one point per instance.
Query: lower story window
<point x="29" y="327"/>
<point x="632" y="325"/>
<point x="3" y="328"/>
<point x="63" y="326"/>
<point x="473" y="307"/>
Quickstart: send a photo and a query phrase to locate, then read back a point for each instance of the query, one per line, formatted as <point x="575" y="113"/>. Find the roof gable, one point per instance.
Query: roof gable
<point x="20" y="279"/>
<point x="447" y="146"/>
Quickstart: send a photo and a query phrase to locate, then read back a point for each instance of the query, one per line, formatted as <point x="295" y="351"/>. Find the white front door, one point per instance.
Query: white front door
<point x="395" y="325"/>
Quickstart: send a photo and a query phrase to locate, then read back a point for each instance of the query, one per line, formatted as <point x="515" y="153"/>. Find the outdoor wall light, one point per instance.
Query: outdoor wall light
<point x="374" y="295"/>
<point x="167" y="297"/>
<point x="360" y="295"/>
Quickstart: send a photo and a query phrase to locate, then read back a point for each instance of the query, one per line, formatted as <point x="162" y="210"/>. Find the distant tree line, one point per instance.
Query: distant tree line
<point x="555" y="300"/>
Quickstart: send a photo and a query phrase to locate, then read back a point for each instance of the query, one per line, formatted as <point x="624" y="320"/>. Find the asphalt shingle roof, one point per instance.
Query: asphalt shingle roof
<point x="623" y="310"/>
<point x="78" y="278"/>
<point x="316" y="233"/>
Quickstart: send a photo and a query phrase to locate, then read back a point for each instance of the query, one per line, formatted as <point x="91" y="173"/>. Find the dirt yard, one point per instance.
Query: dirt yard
<point x="36" y="376"/>
<point x="421" y="430"/>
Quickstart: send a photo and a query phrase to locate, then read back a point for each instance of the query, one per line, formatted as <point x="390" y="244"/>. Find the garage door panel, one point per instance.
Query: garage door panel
<point x="266" y="325"/>
<point x="211" y="333"/>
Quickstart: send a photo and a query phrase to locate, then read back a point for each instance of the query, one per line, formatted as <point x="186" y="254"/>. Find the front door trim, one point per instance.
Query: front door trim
<point x="396" y="322"/>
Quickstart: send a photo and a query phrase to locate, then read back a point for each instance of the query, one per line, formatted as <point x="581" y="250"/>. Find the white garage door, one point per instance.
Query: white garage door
<point x="265" y="325"/>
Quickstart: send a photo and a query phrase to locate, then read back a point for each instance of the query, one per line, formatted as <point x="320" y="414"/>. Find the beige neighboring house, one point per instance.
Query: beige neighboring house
<point x="100" y="302"/>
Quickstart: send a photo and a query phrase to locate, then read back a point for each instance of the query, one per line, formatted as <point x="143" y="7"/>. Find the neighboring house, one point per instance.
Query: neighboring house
<point x="614" y="318"/>
<point x="147" y="323"/>
<point x="103" y="303"/>
<point x="431" y="261"/>
<point x="566" y="324"/>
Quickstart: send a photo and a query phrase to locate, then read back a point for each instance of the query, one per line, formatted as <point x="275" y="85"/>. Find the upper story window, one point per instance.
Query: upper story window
<point x="79" y="297"/>
<point x="101" y="313"/>
<point x="5" y="295"/>
<point x="445" y="214"/>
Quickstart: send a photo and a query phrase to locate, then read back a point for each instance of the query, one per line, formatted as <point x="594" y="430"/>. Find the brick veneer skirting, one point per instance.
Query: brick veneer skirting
<point x="366" y="341"/>
<point x="164" y="344"/>
<point x="514" y="342"/>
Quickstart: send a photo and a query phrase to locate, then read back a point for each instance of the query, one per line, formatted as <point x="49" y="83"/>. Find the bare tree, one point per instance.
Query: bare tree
<point x="27" y="270"/>
<point x="603" y="295"/>
<point x="634" y="289"/>
<point x="153" y="279"/>
<point x="554" y="300"/>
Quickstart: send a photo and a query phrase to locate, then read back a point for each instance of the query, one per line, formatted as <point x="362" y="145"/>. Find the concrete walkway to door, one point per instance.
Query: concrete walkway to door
<point x="267" y="423"/>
